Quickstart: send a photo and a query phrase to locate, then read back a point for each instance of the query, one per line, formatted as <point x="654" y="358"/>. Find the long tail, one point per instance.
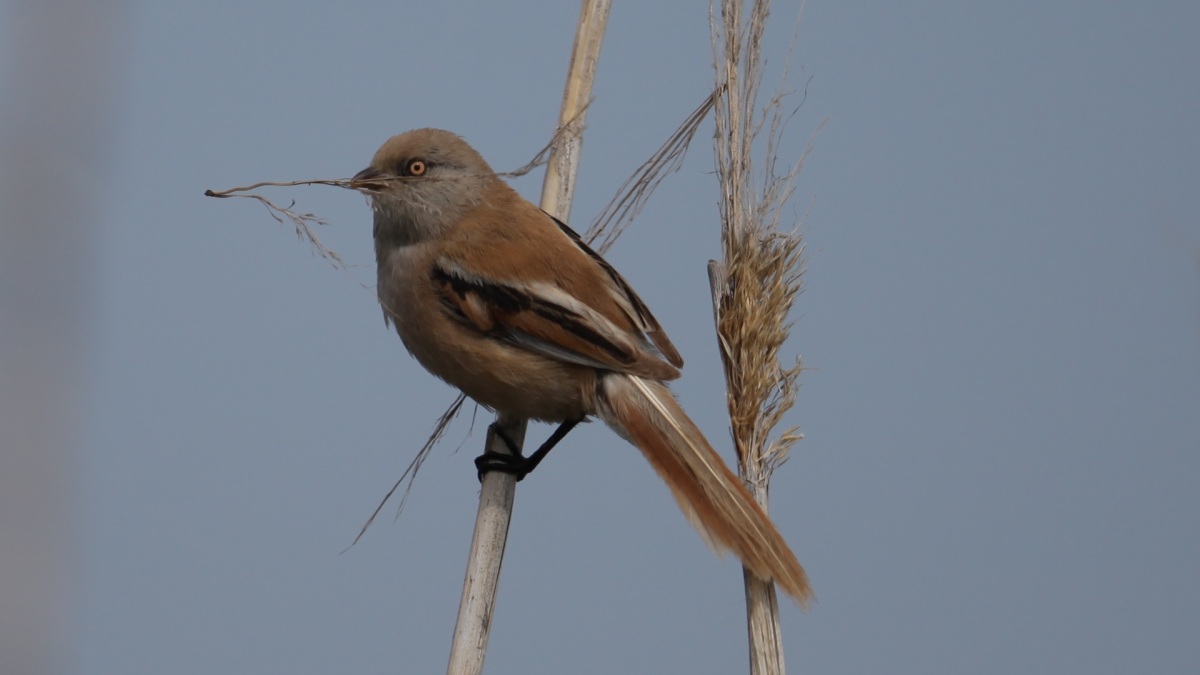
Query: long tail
<point x="710" y="495"/>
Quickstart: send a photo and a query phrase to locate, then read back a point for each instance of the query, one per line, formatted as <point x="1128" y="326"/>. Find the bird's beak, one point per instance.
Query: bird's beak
<point x="369" y="179"/>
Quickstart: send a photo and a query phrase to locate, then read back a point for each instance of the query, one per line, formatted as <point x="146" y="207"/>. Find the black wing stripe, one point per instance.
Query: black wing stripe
<point x="570" y="322"/>
<point x="643" y="312"/>
<point x="511" y="301"/>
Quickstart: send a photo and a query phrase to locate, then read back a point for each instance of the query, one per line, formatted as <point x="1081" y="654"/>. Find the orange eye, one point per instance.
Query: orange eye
<point x="416" y="167"/>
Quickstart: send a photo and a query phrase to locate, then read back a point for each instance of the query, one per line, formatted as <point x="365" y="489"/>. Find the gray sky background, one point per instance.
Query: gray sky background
<point x="1001" y="319"/>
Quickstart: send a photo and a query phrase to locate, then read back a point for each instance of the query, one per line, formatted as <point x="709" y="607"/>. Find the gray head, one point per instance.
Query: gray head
<point x="422" y="181"/>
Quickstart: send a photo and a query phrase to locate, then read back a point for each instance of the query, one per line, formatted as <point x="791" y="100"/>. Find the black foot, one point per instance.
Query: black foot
<point x="515" y="463"/>
<point x="512" y="462"/>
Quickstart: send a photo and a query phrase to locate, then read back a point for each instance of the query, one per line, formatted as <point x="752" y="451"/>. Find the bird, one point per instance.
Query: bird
<point x="507" y="303"/>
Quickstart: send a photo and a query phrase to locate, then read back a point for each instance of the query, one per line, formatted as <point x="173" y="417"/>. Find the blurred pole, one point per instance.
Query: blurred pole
<point x="57" y="92"/>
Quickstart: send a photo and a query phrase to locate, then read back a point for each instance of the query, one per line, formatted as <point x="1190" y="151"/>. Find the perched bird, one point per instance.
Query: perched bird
<point x="505" y="302"/>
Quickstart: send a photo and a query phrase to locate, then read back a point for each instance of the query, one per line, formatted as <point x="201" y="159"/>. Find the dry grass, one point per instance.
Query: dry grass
<point x="635" y="192"/>
<point x="762" y="268"/>
<point x="410" y="473"/>
<point x="303" y="222"/>
<point x="756" y="283"/>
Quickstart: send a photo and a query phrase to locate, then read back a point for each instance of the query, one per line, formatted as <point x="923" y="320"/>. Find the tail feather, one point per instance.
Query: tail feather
<point x="709" y="494"/>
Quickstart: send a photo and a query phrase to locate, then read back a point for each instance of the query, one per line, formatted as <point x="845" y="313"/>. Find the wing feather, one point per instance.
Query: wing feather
<point x="627" y="299"/>
<point x="543" y="318"/>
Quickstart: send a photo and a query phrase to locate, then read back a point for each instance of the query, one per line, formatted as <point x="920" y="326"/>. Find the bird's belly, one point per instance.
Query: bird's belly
<point x="497" y="374"/>
<point x="503" y="377"/>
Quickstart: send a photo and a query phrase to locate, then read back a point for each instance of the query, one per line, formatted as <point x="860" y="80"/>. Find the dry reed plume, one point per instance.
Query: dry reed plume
<point x="756" y="282"/>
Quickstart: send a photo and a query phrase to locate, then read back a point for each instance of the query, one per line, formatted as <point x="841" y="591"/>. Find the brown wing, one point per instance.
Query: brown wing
<point x="633" y="305"/>
<point x="544" y="319"/>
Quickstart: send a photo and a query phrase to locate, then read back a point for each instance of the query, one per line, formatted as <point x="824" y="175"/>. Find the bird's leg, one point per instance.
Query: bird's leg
<point x="517" y="464"/>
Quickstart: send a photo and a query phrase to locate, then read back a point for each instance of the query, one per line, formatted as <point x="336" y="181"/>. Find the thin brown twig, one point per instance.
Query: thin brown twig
<point x="232" y="192"/>
<point x="303" y="222"/>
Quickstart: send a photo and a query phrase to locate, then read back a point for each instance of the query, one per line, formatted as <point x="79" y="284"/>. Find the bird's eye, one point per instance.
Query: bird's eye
<point x="416" y="168"/>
